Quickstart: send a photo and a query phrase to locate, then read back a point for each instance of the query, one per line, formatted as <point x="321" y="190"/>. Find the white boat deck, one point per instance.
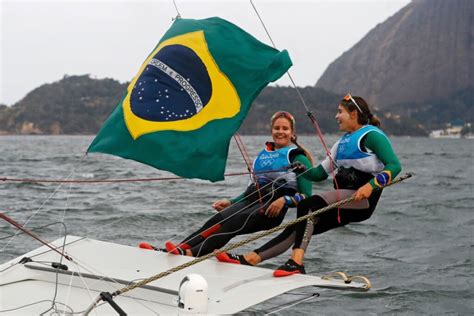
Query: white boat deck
<point x="106" y="267"/>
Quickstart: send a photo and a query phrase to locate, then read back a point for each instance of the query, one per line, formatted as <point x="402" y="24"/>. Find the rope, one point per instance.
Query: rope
<point x="243" y="242"/>
<point x="271" y="193"/>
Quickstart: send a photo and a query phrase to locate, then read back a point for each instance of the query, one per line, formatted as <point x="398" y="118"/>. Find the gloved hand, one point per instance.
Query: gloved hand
<point x="297" y="167"/>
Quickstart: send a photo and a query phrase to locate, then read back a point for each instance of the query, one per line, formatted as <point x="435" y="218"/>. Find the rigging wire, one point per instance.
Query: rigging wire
<point x="35" y="236"/>
<point x="272" y="193"/>
<point x="56" y="283"/>
<point x="177" y="11"/>
<point x="311" y="116"/>
<point x="89" y="181"/>
<point x="45" y="201"/>
<point x="53" y="304"/>
<point x="245" y="155"/>
<point x="237" y="244"/>
<point x="247" y="206"/>
<point x="32" y="230"/>
<point x="294" y="303"/>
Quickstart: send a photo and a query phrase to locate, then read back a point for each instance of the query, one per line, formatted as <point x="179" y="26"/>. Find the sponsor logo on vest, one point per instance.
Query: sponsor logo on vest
<point x="269" y="155"/>
<point x="267" y="162"/>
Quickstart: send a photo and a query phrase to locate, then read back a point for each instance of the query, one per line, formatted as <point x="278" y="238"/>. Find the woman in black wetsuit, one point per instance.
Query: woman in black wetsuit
<point x="265" y="202"/>
<point x="364" y="162"/>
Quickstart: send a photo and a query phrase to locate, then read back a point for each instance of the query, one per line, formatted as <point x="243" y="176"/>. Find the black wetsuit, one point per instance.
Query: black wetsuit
<point x="348" y="181"/>
<point x="246" y="215"/>
<point x="298" y="235"/>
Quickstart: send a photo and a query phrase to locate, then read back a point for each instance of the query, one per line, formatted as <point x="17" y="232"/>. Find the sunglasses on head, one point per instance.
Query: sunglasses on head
<point x="283" y="114"/>
<point x="349" y="97"/>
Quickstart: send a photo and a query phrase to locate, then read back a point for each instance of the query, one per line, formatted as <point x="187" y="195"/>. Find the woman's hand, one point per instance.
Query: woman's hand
<point x="275" y="208"/>
<point x="219" y="205"/>
<point x="363" y="192"/>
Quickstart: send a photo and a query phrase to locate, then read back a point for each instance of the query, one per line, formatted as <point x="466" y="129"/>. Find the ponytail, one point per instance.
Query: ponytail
<point x="308" y="155"/>
<point x="373" y="120"/>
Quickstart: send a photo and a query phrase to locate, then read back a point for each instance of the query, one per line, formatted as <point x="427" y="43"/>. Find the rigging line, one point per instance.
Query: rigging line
<point x="121" y="219"/>
<point x="32" y="229"/>
<point x="245" y="155"/>
<point x="23" y="306"/>
<point x="247" y="206"/>
<point x="53" y="302"/>
<point x="82" y="181"/>
<point x="308" y="112"/>
<point x="101" y="228"/>
<point x="237" y="230"/>
<point x="67" y="244"/>
<point x="31" y="234"/>
<point x="91" y="270"/>
<point x="272" y="193"/>
<point x="112" y="283"/>
<point x="41" y="253"/>
<point x="83" y="282"/>
<point x="34" y="214"/>
<point x="68" y="294"/>
<point x="63" y="248"/>
<point x="313" y="120"/>
<point x="177" y="11"/>
<point x="45" y="201"/>
<point x="243" y="152"/>
<point x="243" y="242"/>
<point x="85" y="267"/>
<point x="294" y="303"/>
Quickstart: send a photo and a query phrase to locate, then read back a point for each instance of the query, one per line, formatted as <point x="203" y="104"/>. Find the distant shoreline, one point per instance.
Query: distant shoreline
<point x="262" y="135"/>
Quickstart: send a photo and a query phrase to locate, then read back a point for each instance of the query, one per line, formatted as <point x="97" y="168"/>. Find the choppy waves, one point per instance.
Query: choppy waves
<point x="416" y="249"/>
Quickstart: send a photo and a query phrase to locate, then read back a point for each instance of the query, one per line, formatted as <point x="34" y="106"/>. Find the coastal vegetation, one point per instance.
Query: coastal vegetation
<point x="80" y="104"/>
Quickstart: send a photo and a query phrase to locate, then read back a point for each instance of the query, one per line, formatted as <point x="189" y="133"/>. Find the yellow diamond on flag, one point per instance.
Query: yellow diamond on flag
<point x="179" y="87"/>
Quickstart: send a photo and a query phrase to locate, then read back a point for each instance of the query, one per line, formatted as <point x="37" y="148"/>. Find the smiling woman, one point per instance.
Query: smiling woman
<point x="364" y="162"/>
<point x="274" y="188"/>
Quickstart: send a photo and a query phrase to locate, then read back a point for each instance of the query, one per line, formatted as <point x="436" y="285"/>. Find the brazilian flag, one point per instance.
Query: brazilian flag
<point x="189" y="97"/>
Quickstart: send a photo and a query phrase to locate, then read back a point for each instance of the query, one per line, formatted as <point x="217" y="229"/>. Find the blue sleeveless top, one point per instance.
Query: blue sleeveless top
<point x="349" y="153"/>
<point x="278" y="159"/>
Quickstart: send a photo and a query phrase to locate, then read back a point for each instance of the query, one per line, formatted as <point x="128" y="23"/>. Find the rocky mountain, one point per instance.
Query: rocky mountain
<point x="421" y="55"/>
<point x="80" y="105"/>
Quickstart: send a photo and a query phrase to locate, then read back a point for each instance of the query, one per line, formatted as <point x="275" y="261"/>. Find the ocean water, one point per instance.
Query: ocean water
<point x="417" y="249"/>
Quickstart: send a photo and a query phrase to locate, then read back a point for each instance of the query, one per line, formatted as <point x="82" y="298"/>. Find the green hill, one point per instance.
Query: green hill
<point x="73" y="105"/>
<point x="80" y="104"/>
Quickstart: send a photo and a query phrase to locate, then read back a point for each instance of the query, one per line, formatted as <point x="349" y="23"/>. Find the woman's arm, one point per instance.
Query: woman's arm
<point x="304" y="190"/>
<point x="221" y="204"/>
<point x="382" y="148"/>
<point x="304" y="185"/>
<point x="322" y="171"/>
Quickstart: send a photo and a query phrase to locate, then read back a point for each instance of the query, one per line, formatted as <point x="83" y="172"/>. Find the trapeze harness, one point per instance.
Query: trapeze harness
<point x="246" y="214"/>
<point x="355" y="167"/>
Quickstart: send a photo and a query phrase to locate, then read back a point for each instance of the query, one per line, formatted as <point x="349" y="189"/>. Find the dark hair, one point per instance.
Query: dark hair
<point x="294" y="139"/>
<point x="364" y="117"/>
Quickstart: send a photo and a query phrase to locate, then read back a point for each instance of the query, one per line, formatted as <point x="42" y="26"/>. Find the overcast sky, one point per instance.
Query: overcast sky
<point x="43" y="40"/>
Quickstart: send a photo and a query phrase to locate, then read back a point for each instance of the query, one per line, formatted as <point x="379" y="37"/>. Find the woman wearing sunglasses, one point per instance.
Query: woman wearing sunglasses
<point x="363" y="162"/>
<point x="263" y="205"/>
